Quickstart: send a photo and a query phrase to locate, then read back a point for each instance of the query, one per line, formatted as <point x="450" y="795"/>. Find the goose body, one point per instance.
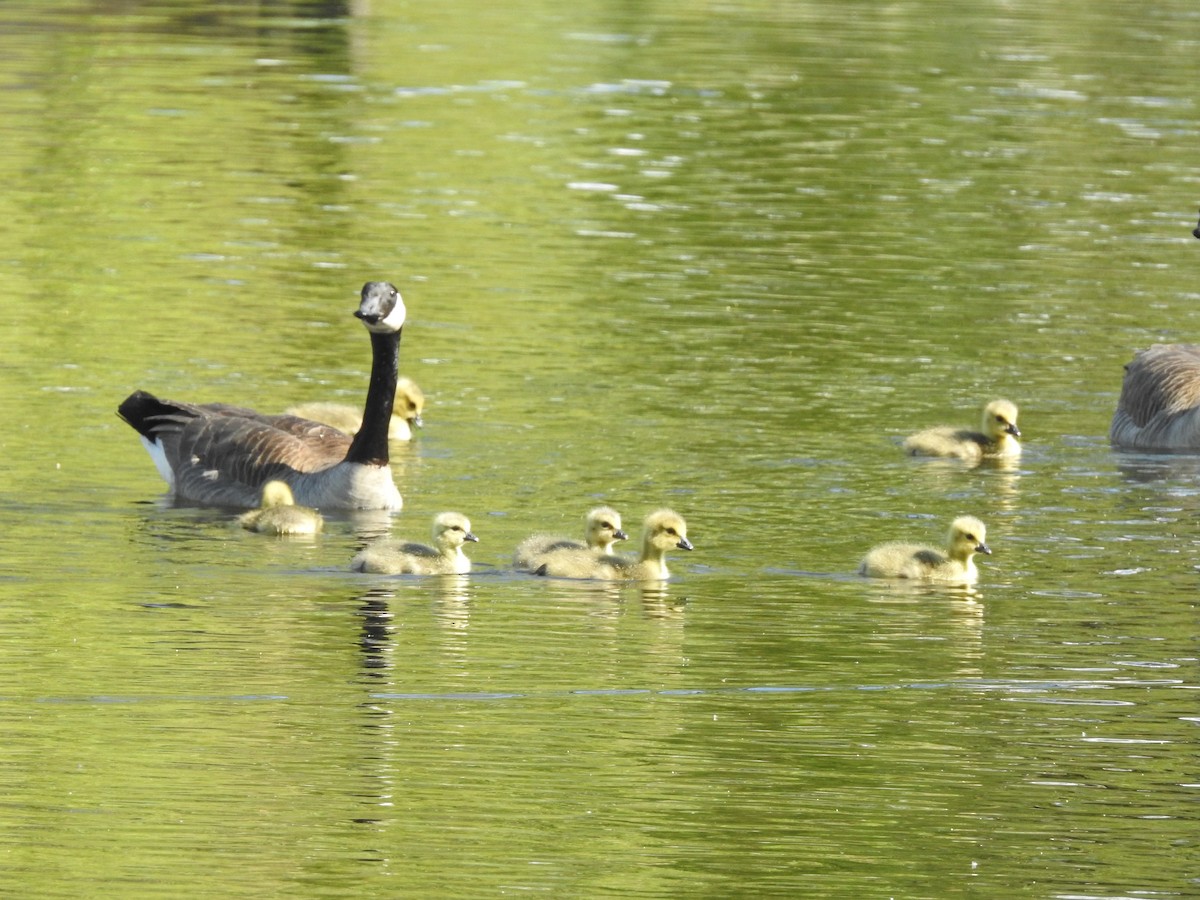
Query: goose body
<point x="279" y="513"/>
<point x="997" y="437"/>
<point x="898" y="559"/>
<point x="664" y="530"/>
<point x="445" y="557"/>
<point x="602" y="530"/>
<point x="216" y="454"/>
<point x="1159" y="408"/>
<point x="406" y="412"/>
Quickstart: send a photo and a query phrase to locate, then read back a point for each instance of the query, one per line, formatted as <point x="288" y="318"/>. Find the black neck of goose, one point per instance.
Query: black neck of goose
<point x="370" y="445"/>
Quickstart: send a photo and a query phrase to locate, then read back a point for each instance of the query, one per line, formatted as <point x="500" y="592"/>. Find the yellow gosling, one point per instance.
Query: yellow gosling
<point x="601" y="531"/>
<point x="663" y="531"/>
<point x="406" y="412"/>
<point x="450" y="531"/>
<point x="997" y="437"/>
<point x="897" y="559"/>
<point x="279" y="513"/>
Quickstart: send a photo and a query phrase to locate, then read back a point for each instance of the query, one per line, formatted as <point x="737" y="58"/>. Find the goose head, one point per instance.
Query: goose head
<point x="1000" y="420"/>
<point x="277" y="493"/>
<point x="410" y="401"/>
<point x="604" y="528"/>
<point x="381" y="308"/>
<point x="966" y="538"/>
<point x="450" y="531"/>
<point x="665" y="530"/>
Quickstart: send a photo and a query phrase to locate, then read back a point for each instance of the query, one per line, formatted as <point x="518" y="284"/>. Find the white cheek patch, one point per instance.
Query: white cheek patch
<point x="395" y="319"/>
<point x="392" y="322"/>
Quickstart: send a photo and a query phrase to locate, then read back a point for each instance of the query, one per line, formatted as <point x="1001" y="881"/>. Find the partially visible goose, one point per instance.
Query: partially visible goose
<point x="445" y="557"/>
<point x="279" y="513"/>
<point x="997" y="437"/>
<point x="663" y="530"/>
<point x="1159" y="407"/>
<point x="898" y="559"/>
<point x="601" y="529"/>
<point x="406" y="412"/>
<point x="220" y="455"/>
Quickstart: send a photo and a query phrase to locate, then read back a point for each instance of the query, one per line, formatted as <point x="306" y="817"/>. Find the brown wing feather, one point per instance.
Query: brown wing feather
<point x="1163" y="380"/>
<point x="224" y="453"/>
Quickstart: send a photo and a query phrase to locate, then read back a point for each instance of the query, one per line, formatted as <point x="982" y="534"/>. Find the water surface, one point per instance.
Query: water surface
<point x="716" y="258"/>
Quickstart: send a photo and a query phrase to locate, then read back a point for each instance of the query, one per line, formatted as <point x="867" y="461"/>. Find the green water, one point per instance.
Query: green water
<point x="720" y="257"/>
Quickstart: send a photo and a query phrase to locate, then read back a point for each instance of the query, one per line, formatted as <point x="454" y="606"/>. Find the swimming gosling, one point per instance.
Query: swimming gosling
<point x="279" y="513"/>
<point x="601" y="531"/>
<point x="1159" y="408"/>
<point x="998" y="437"/>
<point x="450" y="531"/>
<point x="406" y="412"/>
<point x="898" y="559"/>
<point x="663" y="530"/>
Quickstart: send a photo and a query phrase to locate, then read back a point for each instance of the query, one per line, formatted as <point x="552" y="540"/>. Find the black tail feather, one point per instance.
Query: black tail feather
<point x="140" y="410"/>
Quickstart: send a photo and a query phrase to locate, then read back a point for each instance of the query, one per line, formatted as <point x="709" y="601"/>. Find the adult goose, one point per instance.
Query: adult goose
<point x="1159" y="408"/>
<point x="215" y="454"/>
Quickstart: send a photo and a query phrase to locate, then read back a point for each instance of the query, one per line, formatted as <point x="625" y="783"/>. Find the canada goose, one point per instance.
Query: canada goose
<point x="1159" y="408"/>
<point x="602" y="530"/>
<point x="220" y="455"/>
<point x="279" y="513"/>
<point x="445" y="557"/>
<point x="663" y="530"/>
<point x="406" y="412"/>
<point x="897" y="559"/>
<point x="997" y="438"/>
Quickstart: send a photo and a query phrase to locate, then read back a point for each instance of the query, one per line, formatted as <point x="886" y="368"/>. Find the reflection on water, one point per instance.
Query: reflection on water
<point x="1178" y="469"/>
<point x="653" y="256"/>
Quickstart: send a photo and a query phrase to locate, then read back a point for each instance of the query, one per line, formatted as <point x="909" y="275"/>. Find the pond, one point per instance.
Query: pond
<point x="720" y="258"/>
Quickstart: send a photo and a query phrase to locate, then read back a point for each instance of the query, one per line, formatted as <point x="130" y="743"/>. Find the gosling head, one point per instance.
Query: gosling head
<point x="451" y="530"/>
<point x="410" y="401"/>
<point x="665" y="530"/>
<point x="277" y="493"/>
<point x="604" y="528"/>
<point x="1000" y="420"/>
<point x="381" y="308"/>
<point x="966" y="538"/>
